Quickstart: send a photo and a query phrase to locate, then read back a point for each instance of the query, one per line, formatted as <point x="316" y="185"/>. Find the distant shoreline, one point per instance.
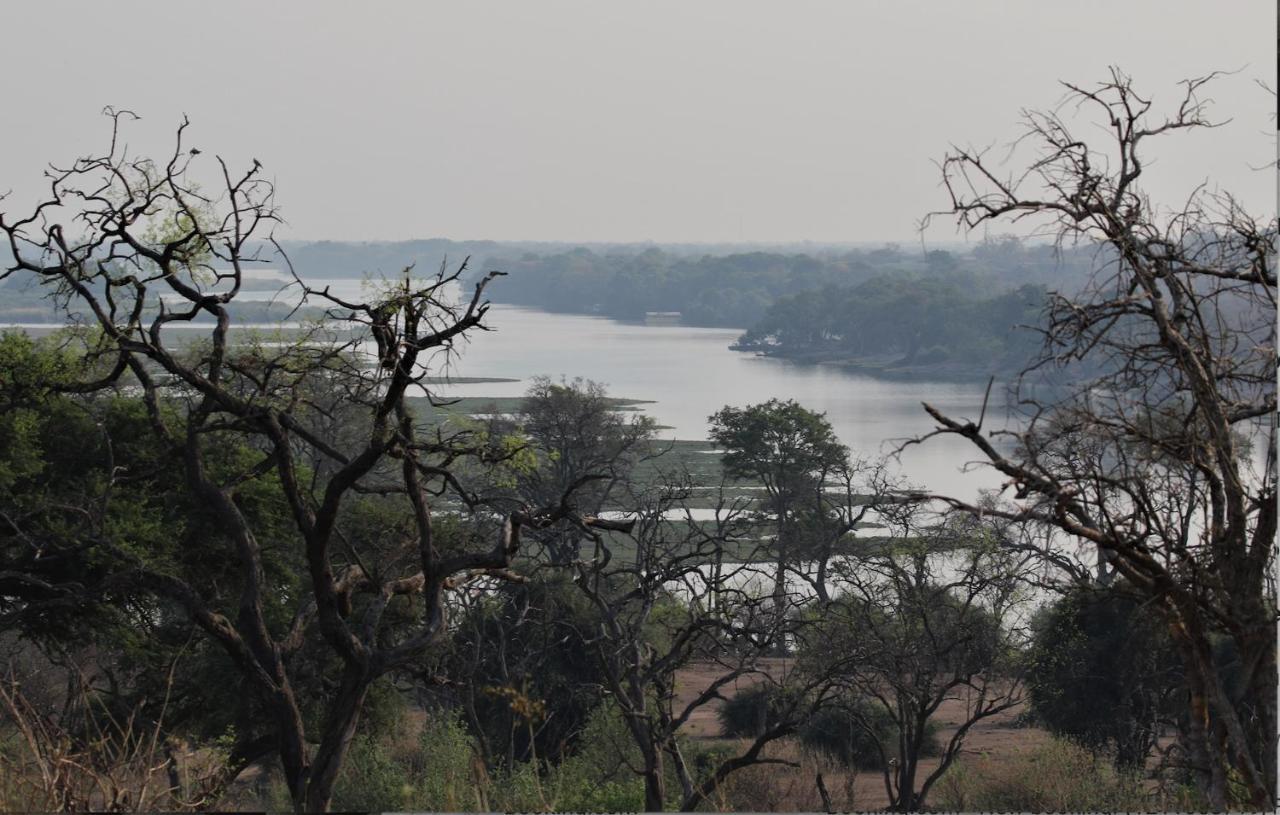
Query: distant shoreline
<point x="888" y="368"/>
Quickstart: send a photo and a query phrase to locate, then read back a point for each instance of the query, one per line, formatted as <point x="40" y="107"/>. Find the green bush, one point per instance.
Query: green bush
<point x="441" y="777"/>
<point x="597" y="777"/>
<point x="440" y="771"/>
<point x="585" y="795"/>
<point x="432" y="773"/>
<point x="847" y="733"/>
<point x="750" y="711"/>
<point x="371" y="779"/>
<point x="536" y="660"/>
<point x="1103" y="671"/>
<point x="522" y="789"/>
<point x="703" y="758"/>
<point x="854" y="733"/>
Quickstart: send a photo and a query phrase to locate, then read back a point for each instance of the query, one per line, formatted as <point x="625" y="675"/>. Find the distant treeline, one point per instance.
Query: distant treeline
<point x="738" y="290"/>
<point x="819" y="302"/>
<point x="904" y="322"/>
<point x="733" y="290"/>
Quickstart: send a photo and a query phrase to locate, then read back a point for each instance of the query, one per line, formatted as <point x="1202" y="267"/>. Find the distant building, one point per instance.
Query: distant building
<point x="662" y="318"/>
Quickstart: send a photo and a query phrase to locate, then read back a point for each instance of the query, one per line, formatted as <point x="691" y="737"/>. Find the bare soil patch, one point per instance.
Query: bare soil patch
<point x="778" y="787"/>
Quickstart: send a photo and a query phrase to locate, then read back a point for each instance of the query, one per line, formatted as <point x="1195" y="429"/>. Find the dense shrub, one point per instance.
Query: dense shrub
<point x="433" y="772"/>
<point x="599" y="777"/>
<point x="440" y="771"/>
<point x="371" y="779"/>
<point x="851" y="733"/>
<point x="750" y="711"/>
<point x="523" y="646"/>
<point x="1103" y="673"/>
<point x="442" y="777"/>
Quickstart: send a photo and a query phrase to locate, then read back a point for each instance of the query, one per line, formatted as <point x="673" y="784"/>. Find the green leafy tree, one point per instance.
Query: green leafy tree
<point x="1104" y="674"/>
<point x="581" y="442"/>
<point x="794" y="453"/>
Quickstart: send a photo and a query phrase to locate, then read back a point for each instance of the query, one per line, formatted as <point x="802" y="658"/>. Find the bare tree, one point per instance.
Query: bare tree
<point x="844" y="501"/>
<point x="939" y="617"/>
<point x="1168" y="363"/>
<point x="140" y="248"/>
<point x="669" y="598"/>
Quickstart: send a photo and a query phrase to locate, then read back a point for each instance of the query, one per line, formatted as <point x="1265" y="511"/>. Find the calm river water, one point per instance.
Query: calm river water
<point x="689" y="373"/>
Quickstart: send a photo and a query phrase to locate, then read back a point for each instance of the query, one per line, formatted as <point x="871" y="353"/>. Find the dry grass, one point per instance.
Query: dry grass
<point x="104" y="764"/>
<point x="1054" y="777"/>
<point x="782" y="788"/>
<point x="792" y="789"/>
<point x="128" y="767"/>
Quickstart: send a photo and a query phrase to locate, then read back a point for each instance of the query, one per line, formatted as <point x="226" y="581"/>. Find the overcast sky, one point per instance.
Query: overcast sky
<point x="685" y="121"/>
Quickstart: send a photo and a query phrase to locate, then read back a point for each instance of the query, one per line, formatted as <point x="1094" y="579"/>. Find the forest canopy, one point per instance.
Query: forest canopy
<point x="911" y="320"/>
<point x="737" y="290"/>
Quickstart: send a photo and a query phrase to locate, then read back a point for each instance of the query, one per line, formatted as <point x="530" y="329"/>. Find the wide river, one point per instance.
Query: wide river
<point x="690" y="373"/>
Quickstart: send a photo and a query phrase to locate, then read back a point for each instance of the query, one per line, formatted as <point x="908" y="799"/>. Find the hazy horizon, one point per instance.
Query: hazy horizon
<point x="708" y="123"/>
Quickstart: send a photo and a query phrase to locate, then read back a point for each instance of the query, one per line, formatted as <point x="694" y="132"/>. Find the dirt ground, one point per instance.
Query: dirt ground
<point x="772" y="787"/>
<point x="993" y="736"/>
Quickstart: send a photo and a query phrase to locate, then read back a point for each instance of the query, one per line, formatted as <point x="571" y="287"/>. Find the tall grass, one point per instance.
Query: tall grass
<point x="85" y="758"/>
<point x="1056" y="777"/>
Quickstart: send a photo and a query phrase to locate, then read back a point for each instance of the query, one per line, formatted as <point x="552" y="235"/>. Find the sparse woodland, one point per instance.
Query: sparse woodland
<point x="258" y="569"/>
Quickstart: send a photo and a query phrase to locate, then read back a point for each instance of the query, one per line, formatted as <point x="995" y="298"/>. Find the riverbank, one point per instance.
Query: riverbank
<point x="890" y="367"/>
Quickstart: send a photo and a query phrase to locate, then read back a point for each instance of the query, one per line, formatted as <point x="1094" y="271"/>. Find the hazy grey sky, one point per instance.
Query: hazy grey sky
<point x="666" y="121"/>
